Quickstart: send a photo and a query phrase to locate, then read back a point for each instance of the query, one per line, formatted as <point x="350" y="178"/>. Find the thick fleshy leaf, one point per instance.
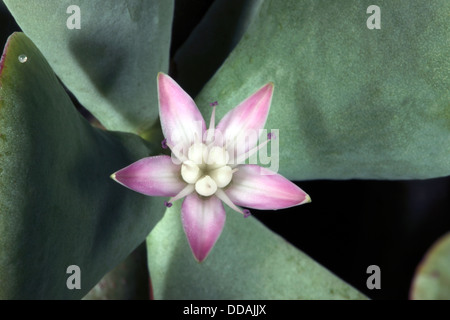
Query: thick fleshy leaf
<point x="242" y="124"/>
<point x="111" y="62"/>
<point x="181" y="121"/>
<point x="211" y="42"/>
<point x="58" y="205"/>
<point x="432" y="278"/>
<point x="247" y="262"/>
<point x="350" y="102"/>
<point x="152" y="176"/>
<point x="203" y="221"/>
<point x="129" y="280"/>
<point x="259" y="188"/>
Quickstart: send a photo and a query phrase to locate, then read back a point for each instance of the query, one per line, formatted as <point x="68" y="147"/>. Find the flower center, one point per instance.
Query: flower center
<point x="207" y="168"/>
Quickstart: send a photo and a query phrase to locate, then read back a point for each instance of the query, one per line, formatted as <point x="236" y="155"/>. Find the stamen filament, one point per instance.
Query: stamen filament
<point x="178" y="155"/>
<point x="183" y="193"/>
<point x="244" y="156"/>
<point x="223" y="196"/>
<point x="212" y="124"/>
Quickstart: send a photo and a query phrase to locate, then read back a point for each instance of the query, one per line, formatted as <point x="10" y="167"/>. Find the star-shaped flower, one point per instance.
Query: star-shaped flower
<point x="208" y="167"/>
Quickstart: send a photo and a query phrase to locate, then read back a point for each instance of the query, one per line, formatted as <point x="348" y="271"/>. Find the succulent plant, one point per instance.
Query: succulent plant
<point x="350" y="102"/>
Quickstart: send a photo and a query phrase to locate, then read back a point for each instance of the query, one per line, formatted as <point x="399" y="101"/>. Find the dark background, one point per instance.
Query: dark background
<point x="350" y="224"/>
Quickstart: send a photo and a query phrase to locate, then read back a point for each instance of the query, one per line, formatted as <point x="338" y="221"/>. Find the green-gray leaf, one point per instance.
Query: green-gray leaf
<point x="127" y="281"/>
<point x="432" y="278"/>
<point x="212" y="41"/>
<point x="349" y="102"/>
<point x="248" y="262"/>
<point x="58" y="205"/>
<point x="111" y="63"/>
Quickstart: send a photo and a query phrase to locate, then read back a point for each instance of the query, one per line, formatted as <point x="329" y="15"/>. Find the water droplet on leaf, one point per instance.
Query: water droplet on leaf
<point x="23" y="58"/>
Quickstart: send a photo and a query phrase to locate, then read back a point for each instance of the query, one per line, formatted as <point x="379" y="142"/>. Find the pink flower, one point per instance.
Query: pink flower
<point x="207" y="166"/>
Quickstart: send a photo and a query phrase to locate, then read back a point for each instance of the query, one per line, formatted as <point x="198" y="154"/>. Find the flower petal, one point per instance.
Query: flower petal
<point x="152" y="176"/>
<point x="245" y="120"/>
<point x="259" y="188"/>
<point x="181" y="121"/>
<point x="203" y="220"/>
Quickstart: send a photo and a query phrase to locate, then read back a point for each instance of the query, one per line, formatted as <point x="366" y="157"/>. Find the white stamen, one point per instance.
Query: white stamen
<point x="222" y="176"/>
<point x="206" y="186"/>
<point x="198" y="153"/>
<point x="218" y="157"/>
<point x="206" y="169"/>
<point x="190" y="172"/>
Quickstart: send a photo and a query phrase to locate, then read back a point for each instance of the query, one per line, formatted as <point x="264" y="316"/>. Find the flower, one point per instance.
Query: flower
<point x="207" y="166"/>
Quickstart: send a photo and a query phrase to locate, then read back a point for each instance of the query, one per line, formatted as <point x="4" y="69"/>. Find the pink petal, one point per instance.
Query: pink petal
<point x="203" y="221"/>
<point x="152" y="176"/>
<point x="181" y="120"/>
<point x="247" y="119"/>
<point x="259" y="188"/>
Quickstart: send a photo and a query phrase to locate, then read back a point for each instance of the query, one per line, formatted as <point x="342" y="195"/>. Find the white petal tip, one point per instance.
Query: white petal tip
<point x="198" y="260"/>
<point x="113" y="176"/>
<point x="307" y="200"/>
<point x="160" y="77"/>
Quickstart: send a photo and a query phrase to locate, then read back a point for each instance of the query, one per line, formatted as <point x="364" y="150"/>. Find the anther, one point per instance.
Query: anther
<point x="167" y="204"/>
<point x="271" y="135"/>
<point x="164" y="144"/>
